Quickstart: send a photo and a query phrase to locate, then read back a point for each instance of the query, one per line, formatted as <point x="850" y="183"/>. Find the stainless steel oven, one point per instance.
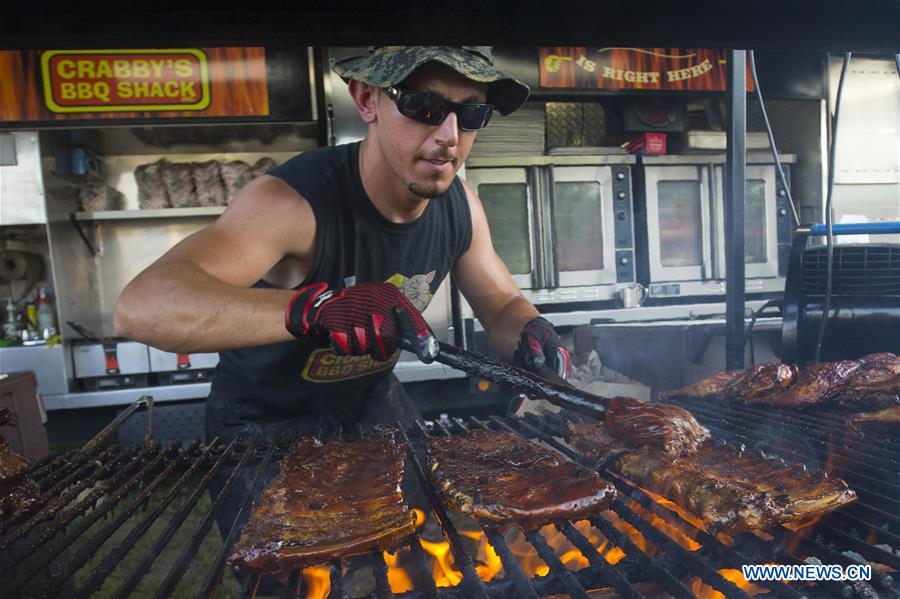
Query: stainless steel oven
<point x="684" y="204"/>
<point x="563" y="225"/>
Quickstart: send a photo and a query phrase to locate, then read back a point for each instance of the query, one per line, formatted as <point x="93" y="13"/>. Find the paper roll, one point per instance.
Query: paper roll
<point x="16" y="266"/>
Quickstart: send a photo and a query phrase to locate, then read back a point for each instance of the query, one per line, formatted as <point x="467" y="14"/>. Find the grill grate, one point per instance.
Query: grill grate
<point x="100" y="503"/>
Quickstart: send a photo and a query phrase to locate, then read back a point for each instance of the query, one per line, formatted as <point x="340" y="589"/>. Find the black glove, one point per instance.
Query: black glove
<point x="366" y="319"/>
<point x="539" y="345"/>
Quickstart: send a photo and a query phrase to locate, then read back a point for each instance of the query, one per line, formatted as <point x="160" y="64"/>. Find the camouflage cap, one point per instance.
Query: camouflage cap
<point x="385" y="66"/>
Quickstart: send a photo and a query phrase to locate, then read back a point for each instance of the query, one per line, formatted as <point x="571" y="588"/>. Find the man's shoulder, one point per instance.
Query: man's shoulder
<point x="315" y="160"/>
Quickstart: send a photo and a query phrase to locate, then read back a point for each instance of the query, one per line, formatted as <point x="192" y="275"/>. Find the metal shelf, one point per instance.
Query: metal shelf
<point x="160" y="213"/>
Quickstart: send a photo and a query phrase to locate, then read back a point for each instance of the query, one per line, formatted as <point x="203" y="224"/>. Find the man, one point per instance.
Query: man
<point x="312" y="277"/>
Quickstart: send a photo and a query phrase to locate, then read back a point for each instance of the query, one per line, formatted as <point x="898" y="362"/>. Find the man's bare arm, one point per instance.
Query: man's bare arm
<point x="197" y="296"/>
<point x="485" y="281"/>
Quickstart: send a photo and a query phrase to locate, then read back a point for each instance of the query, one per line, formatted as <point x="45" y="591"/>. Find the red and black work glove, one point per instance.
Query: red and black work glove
<point x="366" y="319"/>
<point x="540" y="347"/>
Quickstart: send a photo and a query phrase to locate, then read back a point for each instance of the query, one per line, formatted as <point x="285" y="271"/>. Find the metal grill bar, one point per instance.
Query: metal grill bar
<point x="836" y="430"/>
<point x="214" y="578"/>
<point x="380" y="570"/>
<point x="510" y="565"/>
<point x="534" y="426"/>
<point x="605" y="570"/>
<point x="48" y="552"/>
<point x="601" y="567"/>
<point x="843" y="521"/>
<point x="171" y="581"/>
<point x="556" y="566"/>
<point x="88" y="549"/>
<point x="101" y="572"/>
<point x="132" y="469"/>
<point x="424" y="581"/>
<point x="50" y="463"/>
<point x="295" y="583"/>
<point x="336" y="580"/>
<point x="50" y="509"/>
<point x="861" y="460"/>
<point x="776" y="445"/>
<point x="471" y="582"/>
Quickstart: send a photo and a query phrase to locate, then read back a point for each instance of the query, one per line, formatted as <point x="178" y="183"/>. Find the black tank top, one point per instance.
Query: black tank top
<point x="354" y="243"/>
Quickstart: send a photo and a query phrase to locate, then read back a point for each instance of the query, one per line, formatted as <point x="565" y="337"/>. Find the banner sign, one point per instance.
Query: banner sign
<point x="127" y="84"/>
<point x="664" y="69"/>
<point x="106" y="81"/>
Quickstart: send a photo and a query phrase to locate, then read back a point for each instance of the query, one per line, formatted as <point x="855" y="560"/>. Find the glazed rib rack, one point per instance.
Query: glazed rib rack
<point x="120" y="520"/>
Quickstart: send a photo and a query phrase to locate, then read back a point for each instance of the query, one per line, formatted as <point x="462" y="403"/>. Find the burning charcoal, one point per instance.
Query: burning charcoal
<point x="208" y="183"/>
<point x="152" y="193"/>
<point x="179" y="185"/>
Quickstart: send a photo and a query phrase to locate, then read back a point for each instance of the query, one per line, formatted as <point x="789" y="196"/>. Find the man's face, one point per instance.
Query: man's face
<point x="426" y="158"/>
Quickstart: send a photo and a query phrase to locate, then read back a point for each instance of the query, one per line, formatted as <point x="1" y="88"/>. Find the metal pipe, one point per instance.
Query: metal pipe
<point x="735" y="191"/>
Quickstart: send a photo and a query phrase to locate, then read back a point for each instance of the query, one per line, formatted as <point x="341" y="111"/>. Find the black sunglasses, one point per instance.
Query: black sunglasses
<point x="429" y="109"/>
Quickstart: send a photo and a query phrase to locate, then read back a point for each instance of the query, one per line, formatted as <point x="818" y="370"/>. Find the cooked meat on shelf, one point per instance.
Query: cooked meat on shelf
<point x="499" y="477"/>
<point x="328" y="501"/>
<point x="673" y="429"/>
<point x="711" y="386"/>
<point x="816" y="384"/>
<point x="875" y="384"/>
<point x="760" y="382"/>
<point x="734" y="491"/>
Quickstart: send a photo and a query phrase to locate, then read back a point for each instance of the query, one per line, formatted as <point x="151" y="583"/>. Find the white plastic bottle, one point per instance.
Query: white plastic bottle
<point x="46" y="315"/>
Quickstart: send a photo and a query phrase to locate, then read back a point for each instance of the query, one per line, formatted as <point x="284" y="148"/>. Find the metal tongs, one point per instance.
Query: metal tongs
<point x="550" y="386"/>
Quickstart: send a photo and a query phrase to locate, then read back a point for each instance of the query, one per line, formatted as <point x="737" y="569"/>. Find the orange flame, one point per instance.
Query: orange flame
<point x="685" y="515"/>
<point x="490" y="563"/>
<point x="317" y="582"/>
<point x="704" y="591"/>
<point x="671" y="531"/>
<point x="419" y="516"/>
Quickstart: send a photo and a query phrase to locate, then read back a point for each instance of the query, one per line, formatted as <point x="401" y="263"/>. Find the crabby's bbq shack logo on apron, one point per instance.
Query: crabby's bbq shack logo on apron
<point x="324" y="366"/>
<point x="671" y="69"/>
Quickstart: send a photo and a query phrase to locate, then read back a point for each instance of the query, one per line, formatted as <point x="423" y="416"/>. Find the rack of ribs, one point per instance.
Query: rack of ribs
<point x="328" y="501"/>
<point x="671" y="428"/>
<point x="499" y="477"/>
<point x="710" y="387"/>
<point x="759" y="382"/>
<point x="17" y="491"/>
<point x="875" y="384"/>
<point x="814" y="385"/>
<point x="730" y="491"/>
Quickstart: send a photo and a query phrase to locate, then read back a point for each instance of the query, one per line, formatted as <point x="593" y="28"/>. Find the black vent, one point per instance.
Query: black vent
<point x="858" y="270"/>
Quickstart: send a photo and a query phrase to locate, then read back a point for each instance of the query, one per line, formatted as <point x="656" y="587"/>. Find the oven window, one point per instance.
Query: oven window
<point x="755" y="222"/>
<point x="680" y="223"/>
<point x="506" y="208"/>
<point x="579" y="225"/>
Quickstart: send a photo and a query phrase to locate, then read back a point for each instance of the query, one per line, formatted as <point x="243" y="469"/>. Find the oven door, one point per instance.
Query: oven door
<point x="760" y="226"/>
<point x="678" y="222"/>
<point x="582" y="212"/>
<point x="506" y="197"/>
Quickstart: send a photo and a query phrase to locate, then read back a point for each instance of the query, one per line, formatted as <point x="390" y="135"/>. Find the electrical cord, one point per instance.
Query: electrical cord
<point x="765" y="116"/>
<point x="829" y="235"/>
<point x="748" y="336"/>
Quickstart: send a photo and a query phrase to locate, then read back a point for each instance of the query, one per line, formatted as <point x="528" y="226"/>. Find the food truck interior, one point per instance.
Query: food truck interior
<point x="669" y="227"/>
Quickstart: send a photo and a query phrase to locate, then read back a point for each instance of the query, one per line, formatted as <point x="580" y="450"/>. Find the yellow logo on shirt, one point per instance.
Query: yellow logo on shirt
<point x="325" y="366"/>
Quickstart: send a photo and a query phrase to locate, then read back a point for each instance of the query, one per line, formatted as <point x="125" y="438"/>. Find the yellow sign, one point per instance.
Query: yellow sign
<point x="125" y="80"/>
